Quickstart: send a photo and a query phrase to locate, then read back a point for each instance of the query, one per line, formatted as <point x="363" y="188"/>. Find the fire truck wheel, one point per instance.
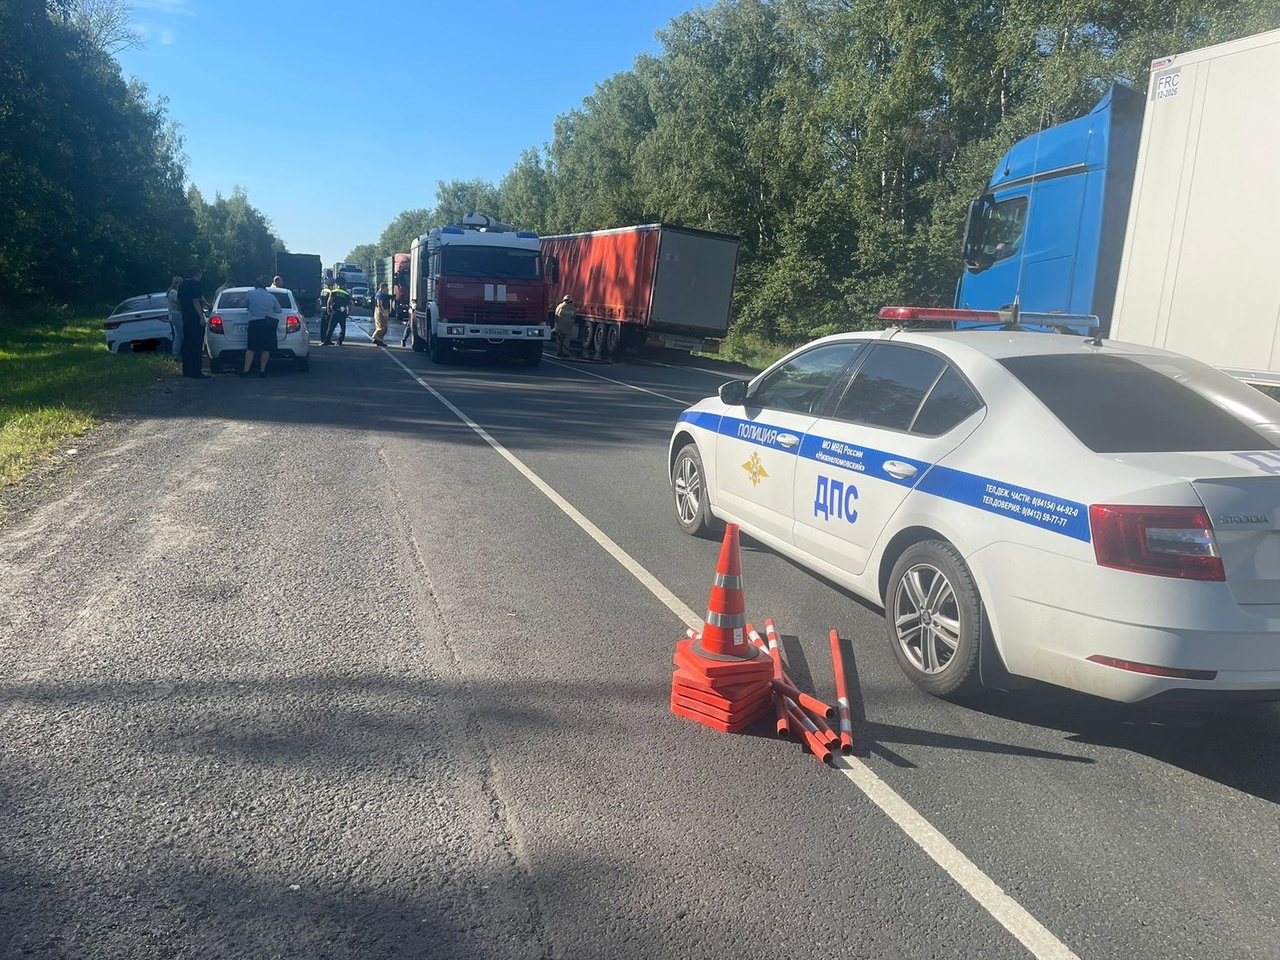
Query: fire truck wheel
<point x="440" y="351"/>
<point x="533" y="354"/>
<point x="419" y="345"/>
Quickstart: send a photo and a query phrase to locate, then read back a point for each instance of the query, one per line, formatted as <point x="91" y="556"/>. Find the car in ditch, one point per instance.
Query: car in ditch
<point x="226" y="336"/>
<point x="140" y="323"/>
<point x="1092" y="514"/>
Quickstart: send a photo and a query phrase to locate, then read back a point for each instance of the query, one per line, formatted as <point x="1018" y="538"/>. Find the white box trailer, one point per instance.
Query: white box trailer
<point x="1200" y="273"/>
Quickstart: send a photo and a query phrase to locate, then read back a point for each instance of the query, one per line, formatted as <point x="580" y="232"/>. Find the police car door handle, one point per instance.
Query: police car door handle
<point x="787" y="440"/>
<point x="899" y="470"/>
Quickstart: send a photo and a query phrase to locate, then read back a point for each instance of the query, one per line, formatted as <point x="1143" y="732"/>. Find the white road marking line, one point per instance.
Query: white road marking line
<point x="701" y="370"/>
<point x="630" y="386"/>
<point x="1010" y="914"/>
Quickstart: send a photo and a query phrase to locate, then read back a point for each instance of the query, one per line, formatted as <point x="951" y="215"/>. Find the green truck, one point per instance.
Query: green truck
<point x="301" y="273"/>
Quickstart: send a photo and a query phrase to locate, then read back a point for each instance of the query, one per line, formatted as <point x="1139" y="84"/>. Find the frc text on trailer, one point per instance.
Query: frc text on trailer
<point x="483" y="286"/>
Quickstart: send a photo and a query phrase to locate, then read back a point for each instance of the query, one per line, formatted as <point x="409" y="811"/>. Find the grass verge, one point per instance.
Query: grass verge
<point x="57" y="379"/>
<point x="751" y="351"/>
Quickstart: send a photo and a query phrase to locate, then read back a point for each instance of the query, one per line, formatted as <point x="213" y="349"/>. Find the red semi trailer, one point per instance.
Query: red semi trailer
<point x="400" y="286"/>
<point x="653" y="285"/>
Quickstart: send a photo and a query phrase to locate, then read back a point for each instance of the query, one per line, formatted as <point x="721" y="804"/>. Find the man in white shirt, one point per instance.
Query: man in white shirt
<point x="264" y="316"/>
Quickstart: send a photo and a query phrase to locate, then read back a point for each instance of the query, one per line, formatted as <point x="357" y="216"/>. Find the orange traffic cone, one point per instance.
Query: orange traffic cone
<point x="721" y="680"/>
<point x="725" y="632"/>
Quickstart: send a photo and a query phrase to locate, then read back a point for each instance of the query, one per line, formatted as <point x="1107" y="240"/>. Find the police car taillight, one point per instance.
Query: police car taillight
<point x="215" y="323"/>
<point x="918" y="314"/>
<point x="1161" y="541"/>
<point x="292" y="324"/>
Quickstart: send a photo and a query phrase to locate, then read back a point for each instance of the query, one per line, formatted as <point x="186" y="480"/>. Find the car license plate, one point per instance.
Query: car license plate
<point x="241" y="327"/>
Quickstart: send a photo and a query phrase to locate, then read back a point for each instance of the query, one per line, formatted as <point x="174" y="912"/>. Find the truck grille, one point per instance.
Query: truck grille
<point x="494" y="313"/>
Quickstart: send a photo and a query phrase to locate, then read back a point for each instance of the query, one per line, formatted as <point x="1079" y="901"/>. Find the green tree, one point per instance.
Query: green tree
<point x="233" y="238"/>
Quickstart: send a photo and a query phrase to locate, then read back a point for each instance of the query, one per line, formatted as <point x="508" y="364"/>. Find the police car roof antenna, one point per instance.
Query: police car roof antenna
<point x="1026" y="217"/>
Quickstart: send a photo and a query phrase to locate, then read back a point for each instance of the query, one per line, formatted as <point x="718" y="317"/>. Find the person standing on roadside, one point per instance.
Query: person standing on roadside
<point x="336" y="315"/>
<point x="264" y="317"/>
<point x="191" y="302"/>
<point x="175" y="316"/>
<point x="566" y="314"/>
<point x="277" y="282"/>
<point x="229" y="282"/>
<point x="381" y="314"/>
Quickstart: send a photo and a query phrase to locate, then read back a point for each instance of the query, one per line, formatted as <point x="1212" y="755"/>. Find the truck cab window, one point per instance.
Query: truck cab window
<point x="491" y="262"/>
<point x="995" y="231"/>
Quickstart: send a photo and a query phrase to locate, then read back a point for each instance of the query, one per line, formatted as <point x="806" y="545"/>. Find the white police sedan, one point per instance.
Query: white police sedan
<point x="1096" y="515"/>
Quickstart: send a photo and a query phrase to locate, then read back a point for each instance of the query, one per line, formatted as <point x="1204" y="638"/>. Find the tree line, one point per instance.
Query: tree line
<point x="839" y="139"/>
<point x="94" y="203"/>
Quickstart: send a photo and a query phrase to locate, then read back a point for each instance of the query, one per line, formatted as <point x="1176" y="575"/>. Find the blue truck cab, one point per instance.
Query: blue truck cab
<point x="1048" y="233"/>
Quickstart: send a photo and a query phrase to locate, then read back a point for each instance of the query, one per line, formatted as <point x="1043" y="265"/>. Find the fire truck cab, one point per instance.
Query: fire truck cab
<point x="481" y="286"/>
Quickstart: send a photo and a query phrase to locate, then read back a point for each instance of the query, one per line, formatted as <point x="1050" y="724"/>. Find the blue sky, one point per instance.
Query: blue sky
<point x="335" y="117"/>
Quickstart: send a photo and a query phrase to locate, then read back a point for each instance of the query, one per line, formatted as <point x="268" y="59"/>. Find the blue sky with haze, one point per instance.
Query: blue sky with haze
<point x="335" y="117"/>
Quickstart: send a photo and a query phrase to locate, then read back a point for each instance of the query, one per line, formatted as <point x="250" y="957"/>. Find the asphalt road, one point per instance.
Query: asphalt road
<point x="305" y="667"/>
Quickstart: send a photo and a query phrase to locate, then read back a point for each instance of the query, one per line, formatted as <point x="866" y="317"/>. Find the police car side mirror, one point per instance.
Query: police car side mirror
<point x="733" y="392"/>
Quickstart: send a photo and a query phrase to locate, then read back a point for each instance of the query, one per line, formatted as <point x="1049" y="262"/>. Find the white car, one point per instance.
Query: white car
<point x="140" y="323"/>
<point x="226" y="338"/>
<point x="1091" y="514"/>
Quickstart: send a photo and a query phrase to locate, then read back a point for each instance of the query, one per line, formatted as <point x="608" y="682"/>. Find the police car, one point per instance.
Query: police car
<point x="1096" y="515"/>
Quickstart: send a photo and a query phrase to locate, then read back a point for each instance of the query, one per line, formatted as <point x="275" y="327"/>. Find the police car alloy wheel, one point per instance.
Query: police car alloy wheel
<point x="934" y="617"/>
<point x="688" y="487"/>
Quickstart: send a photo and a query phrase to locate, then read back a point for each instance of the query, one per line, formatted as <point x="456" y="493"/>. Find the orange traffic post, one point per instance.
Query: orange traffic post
<point x="824" y="730"/>
<point x="782" y="722"/>
<point x="774" y="649"/>
<point x="842" y="696"/>
<point x="811" y="704"/>
<point x="816" y="745"/>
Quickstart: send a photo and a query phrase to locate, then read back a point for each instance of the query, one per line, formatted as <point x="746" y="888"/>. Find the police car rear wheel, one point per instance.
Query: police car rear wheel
<point x="689" y="488"/>
<point x="934" y="615"/>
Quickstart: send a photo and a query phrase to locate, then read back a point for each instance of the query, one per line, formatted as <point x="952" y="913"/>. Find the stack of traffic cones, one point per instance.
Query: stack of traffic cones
<point x="727" y="676"/>
<point x="721" y="679"/>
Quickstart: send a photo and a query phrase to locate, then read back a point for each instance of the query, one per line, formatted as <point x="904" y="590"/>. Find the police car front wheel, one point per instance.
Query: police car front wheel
<point x="689" y="489"/>
<point x="934" y="616"/>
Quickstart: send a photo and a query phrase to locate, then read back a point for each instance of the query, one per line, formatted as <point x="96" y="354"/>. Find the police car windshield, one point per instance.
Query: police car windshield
<point x="491" y="262"/>
<point x="1119" y="405"/>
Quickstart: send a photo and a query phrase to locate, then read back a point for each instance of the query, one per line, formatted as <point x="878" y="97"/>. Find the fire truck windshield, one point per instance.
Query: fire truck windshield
<point x="491" y="262"/>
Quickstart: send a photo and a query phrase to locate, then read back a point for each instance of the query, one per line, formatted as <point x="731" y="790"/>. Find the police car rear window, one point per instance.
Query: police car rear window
<point x="1115" y="405"/>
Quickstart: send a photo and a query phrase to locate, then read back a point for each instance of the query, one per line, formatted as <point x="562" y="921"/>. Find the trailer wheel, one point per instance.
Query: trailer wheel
<point x="613" y="336"/>
<point x="597" y="337"/>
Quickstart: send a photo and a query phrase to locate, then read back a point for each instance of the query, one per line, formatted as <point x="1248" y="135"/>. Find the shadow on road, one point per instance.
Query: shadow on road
<point x="358" y="387"/>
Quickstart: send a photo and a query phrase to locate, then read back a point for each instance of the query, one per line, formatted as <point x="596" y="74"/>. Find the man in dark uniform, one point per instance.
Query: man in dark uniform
<point x="339" y="305"/>
<point x="191" y="300"/>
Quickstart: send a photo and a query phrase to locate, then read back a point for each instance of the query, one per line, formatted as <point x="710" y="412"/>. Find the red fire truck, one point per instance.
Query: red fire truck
<point x="480" y="285"/>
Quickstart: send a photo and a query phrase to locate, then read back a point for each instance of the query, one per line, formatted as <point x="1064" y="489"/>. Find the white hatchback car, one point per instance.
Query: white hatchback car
<point x="140" y="323"/>
<point x="226" y="337"/>
<point x="1091" y="514"/>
